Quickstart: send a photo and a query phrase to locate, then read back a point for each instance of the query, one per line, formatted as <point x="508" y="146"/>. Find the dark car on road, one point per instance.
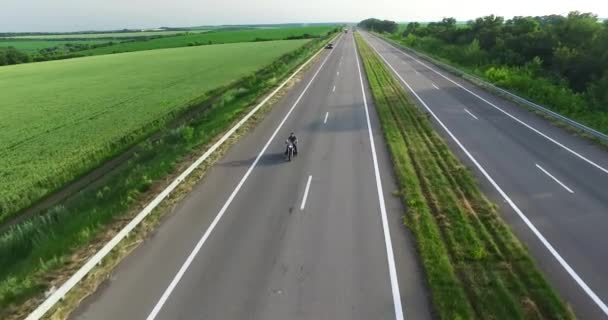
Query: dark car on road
<point x="329" y="46"/>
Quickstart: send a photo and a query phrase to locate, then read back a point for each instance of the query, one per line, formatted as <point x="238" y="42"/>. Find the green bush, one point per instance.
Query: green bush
<point x="556" y="61"/>
<point x="538" y="89"/>
<point x="530" y="81"/>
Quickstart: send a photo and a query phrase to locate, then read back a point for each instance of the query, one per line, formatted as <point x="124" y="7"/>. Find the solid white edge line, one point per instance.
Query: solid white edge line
<point x="505" y="112"/>
<point x="527" y="221"/>
<point x="56" y="296"/>
<point x="434" y="86"/>
<point x="326" y="115"/>
<point x="472" y="115"/>
<point x="554" y="178"/>
<point x="305" y="193"/>
<point x="215" y="221"/>
<point x="392" y="270"/>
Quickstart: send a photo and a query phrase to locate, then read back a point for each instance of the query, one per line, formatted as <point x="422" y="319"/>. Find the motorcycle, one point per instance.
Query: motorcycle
<point x="290" y="151"/>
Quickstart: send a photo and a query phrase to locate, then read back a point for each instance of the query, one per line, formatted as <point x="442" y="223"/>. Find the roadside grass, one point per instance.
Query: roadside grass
<point x="476" y="268"/>
<point x="36" y="252"/>
<point x="212" y="37"/>
<point x="85" y="111"/>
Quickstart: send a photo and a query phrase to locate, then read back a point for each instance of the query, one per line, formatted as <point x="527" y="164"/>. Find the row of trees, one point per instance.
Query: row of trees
<point x="574" y="47"/>
<point x="379" y="25"/>
<point x="71" y="48"/>
<point x="561" y="61"/>
<point x="11" y="55"/>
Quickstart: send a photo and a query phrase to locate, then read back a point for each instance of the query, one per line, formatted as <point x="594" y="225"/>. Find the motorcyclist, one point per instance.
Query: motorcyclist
<point x="293" y="141"/>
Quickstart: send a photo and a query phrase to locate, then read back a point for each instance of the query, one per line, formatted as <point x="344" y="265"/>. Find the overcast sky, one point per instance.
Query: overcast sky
<point x="74" y="15"/>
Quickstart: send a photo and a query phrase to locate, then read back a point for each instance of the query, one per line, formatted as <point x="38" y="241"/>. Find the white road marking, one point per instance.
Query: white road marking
<point x="215" y="221"/>
<point x="434" y="86"/>
<point x="472" y="115"/>
<point x="305" y="193"/>
<point x="334" y="89"/>
<point x="326" y="115"/>
<point x="515" y="208"/>
<point x="338" y="73"/>
<point x="414" y="70"/>
<point x="509" y="115"/>
<point x="60" y="293"/>
<point x="554" y="178"/>
<point x="387" y="235"/>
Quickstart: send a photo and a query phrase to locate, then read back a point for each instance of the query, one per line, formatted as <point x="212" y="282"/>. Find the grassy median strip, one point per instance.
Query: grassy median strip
<point x="475" y="266"/>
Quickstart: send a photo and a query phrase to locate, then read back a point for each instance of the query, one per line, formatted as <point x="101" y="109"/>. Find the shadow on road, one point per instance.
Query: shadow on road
<point x="268" y="159"/>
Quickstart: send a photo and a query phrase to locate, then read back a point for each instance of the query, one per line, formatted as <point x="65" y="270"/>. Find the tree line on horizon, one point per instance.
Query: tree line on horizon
<point x="378" y="25"/>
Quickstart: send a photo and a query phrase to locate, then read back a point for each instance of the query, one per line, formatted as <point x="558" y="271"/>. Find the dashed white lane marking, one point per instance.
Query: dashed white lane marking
<point x="472" y="115"/>
<point x="554" y="178"/>
<point x="305" y="193"/>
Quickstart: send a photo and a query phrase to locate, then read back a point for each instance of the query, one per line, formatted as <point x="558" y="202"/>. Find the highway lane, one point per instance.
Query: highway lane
<point x="557" y="181"/>
<point x="299" y="240"/>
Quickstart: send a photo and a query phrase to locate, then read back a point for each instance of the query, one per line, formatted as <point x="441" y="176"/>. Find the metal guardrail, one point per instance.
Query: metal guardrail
<point x="595" y="133"/>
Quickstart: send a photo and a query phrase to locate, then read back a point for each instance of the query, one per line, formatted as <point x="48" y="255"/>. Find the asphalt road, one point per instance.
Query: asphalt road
<point x="552" y="179"/>
<point x="291" y="240"/>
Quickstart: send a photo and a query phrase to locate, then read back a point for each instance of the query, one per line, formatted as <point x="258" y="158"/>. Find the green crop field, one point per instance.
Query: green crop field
<point x="62" y="118"/>
<point x="107" y="35"/>
<point x="226" y="36"/>
<point x="32" y="46"/>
